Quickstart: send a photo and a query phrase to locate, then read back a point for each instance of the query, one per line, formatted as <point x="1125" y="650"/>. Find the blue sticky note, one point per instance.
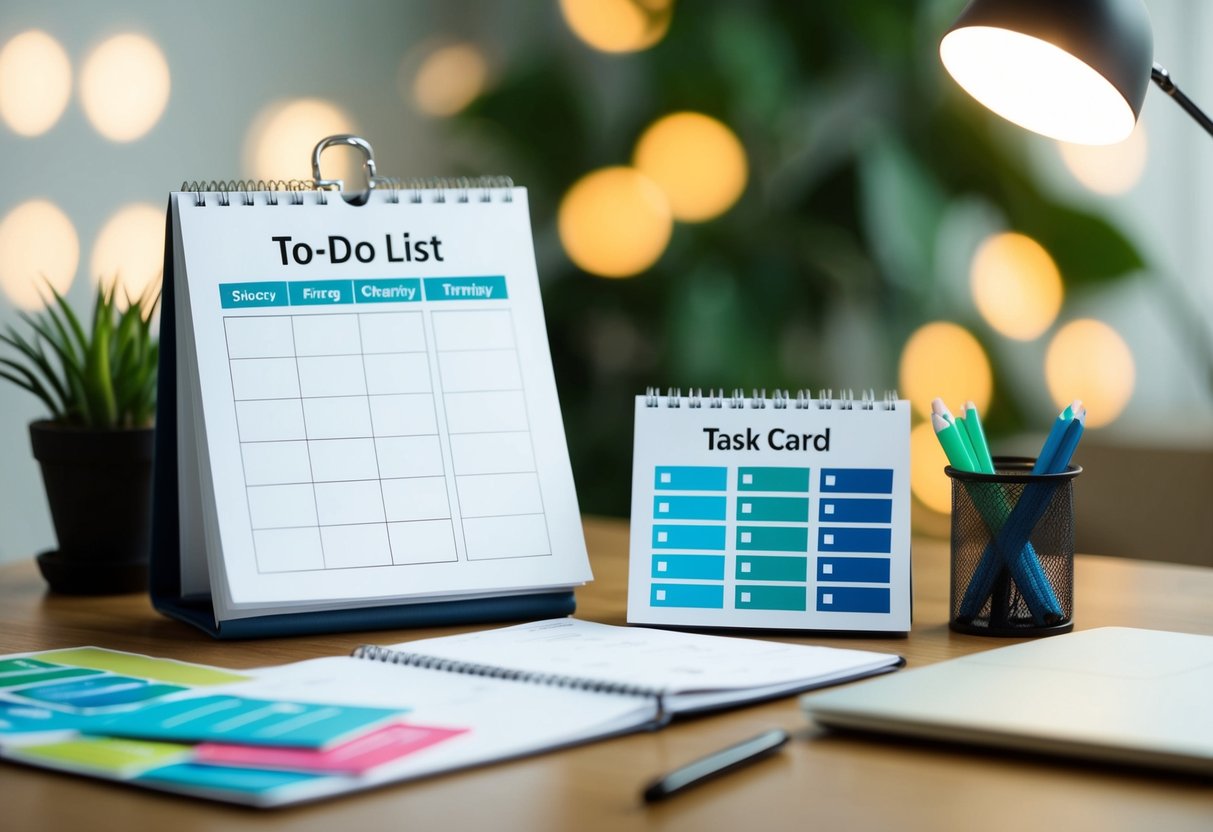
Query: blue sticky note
<point x="236" y="719"/>
<point x="245" y="780"/>
<point x="17" y="718"/>
<point x="74" y="692"/>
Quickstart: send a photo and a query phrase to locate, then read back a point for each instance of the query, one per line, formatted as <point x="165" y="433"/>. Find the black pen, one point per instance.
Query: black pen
<point x="716" y="763"/>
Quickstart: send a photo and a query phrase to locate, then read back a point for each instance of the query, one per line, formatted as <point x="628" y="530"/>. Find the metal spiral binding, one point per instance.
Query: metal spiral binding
<point x="778" y="400"/>
<point x="459" y="189"/>
<point x="489" y="671"/>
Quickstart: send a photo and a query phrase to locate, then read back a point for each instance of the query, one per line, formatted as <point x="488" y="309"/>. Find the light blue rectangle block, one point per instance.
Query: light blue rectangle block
<point x="388" y="290"/>
<point x="321" y="292"/>
<point x="252" y="295"/>
<point x="489" y="287"/>
<point x="702" y="596"/>
<point x="689" y="508"/>
<point x="689" y="567"/>
<point x="690" y="478"/>
<point x="689" y="537"/>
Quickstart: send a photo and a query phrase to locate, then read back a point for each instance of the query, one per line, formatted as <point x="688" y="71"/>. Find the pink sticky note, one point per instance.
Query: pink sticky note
<point x="354" y="757"/>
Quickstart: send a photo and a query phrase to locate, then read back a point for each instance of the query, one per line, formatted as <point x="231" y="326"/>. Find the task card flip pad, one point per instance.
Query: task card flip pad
<point x="785" y="513"/>
<point x="358" y="424"/>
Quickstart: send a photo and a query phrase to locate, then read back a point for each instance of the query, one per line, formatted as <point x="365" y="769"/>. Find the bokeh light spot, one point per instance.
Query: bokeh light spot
<point x="1108" y="169"/>
<point x="124" y="87"/>
<point x="38" y="243"/>
<point x="698" y="161"/>
<point x="282" y="137"/>
<point x="1088" y="360"/>
<point x="1016" y="285"/>
<point x="35" y="82"/>
<point x="449" y="79"/>
<point x="130" y="249"/>
<point x="614" y="222"/>
<point x="618" y="25"/>
<point x="928" y="482"/>
<point x="944" y="359"/>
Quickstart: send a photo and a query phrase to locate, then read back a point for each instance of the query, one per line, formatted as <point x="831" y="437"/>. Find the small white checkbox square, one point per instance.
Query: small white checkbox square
<point x="745" y="597"/>
<point x="828" y="508"/>
<point x="827" y="539"/>
<point x="747" y="508"/>
<point x="663" y="537"/>
<point x="665" y="478"/>
<point x="746" y="537"/>
<point x="746" y="566"/>
<point x="747" y="479"/>
<point x="830" y="479"/>
<point x="827" y="598"/>
<point x="826" y="568"/>
<point x="663" y="508"/>
<point x="662" y="566"/>
<point x="659" y="595"/>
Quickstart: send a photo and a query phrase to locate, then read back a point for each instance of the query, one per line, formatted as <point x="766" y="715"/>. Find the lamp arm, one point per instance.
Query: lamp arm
<point x="1160" y="76"/>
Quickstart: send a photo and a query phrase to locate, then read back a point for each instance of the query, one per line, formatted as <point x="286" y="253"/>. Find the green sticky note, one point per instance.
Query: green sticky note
<point x="144" y="667"/>
<point x="49" y="675"/>
<point x="105" y="755"/>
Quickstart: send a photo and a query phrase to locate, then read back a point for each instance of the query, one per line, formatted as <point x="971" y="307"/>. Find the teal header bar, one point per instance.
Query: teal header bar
<point x="320" y="292"/>
<point x="465" y="288"/>
<point x="388" y="290"/>
<point x="252" y="295"/>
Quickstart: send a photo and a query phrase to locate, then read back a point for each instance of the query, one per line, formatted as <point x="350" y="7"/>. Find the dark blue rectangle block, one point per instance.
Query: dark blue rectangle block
<point x="853" y="570"/>
<point x="842" y="539"/>
<point x="852" y="510"/>
<point x="857" y="480"/>
<point x="852" y="599"/>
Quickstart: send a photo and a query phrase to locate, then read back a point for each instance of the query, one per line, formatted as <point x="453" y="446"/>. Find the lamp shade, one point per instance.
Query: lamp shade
<point x="1073" y="70"/>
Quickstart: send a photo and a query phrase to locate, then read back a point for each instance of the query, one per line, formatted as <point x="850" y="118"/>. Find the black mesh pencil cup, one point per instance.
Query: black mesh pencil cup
<point x="1012" y="550"/>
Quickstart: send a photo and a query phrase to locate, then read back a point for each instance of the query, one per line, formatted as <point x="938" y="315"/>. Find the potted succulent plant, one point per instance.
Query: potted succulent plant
<point x="95" y="449"/>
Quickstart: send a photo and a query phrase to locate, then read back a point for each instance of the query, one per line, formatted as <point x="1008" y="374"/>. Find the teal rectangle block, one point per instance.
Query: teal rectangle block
<point x="772" y="568"/>
<point x="756" y="597"/>
<point x="388" y="290"/>
<point x="776" y="509"/>
<point x="702" y="596"/>
<point x="689" y="537"/>
<point x="690" y="478"/>
<point x="253" y="295"/>
<point x="773" y="479"/>
<point x="690" y="508"/>
<point x="490" y="287"/>
<point x="321" y="292"/>
<point x="689" y="567"/>
<point x="772" y="538"/>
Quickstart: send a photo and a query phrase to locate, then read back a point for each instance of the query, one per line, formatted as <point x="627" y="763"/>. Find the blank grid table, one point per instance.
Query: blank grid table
<point x="338" y="422"/>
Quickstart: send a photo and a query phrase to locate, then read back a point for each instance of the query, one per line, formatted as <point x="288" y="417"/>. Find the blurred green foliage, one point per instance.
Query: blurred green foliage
<point x="857" y="144"/>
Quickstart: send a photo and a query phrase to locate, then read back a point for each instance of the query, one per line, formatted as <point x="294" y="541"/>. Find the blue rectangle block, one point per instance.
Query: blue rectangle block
<point x="852" y="599"/>
<point x="853" y="570"/>
<point x="689" y="508"/>
<point x="839" y="510"/>
<point x="689" y="567"/>
<point x="388" y="290"/>
<point x="702" y="596"/>
<point x="690" y="478"/>
<point x="857" y="480"/>
<point x="489" y="287"/>
<point x="689" y="537"/>
<point x="321" y="292"/>
<point x="839" y="539"/>
<point x="252" y="295"/>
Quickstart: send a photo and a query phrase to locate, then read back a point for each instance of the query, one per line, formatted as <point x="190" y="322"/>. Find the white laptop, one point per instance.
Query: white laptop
<point x="1143" y="697"/>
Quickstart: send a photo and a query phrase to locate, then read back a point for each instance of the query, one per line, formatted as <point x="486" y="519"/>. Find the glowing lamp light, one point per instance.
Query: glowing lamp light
<point x="614" y="222"/>
<point x="944" y="359"/>
<point x="1109" y="169"/>
<point x="282" y="136"/>
<point x="698" y="161"/>
<point x="35" y="82"/>
<point x="124" y="87"/>
<point x="618" y="25"/>
<point x="929" y="484"/>
<point x="1088" y="360"/>
<point x="37" y="242"/>
<point x="1016" y="285"/>
<point x="449" y="79"/>
<point x="1072" y="71"/>
<point x="129" y="249"/>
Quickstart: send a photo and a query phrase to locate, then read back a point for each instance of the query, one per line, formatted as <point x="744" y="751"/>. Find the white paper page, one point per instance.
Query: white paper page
<point x="379" y="426"/>
<point x="770" y="517"/>
<point x="658" y="659"/>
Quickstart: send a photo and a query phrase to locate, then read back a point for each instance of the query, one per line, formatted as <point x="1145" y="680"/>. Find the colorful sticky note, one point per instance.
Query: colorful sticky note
<point x="145" y="667"/>
<point x="104" y="755"/>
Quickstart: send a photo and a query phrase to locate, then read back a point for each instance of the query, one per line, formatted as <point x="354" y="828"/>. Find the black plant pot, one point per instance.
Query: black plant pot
<point x="99" y="486"/>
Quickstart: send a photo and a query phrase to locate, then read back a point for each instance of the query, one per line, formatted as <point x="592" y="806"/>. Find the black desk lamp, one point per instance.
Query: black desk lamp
<point x="1072" y="70"/>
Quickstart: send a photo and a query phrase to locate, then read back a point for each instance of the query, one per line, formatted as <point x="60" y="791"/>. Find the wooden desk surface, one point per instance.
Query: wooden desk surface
<point x="821" y="782"/>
